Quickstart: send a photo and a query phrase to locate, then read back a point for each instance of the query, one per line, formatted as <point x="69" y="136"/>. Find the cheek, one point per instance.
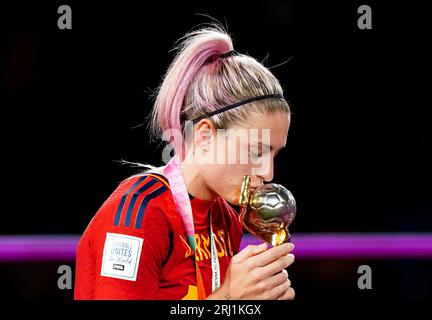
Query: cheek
<point x="221" y="176"/>
<point x="224" y="178"/>
<point x="231" y="182"/>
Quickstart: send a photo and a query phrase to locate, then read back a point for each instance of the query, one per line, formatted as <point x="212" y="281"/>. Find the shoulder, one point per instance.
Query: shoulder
<point x="138" y="207"/>
<point x="135" y="200"/>
<point x="137" y="195"/>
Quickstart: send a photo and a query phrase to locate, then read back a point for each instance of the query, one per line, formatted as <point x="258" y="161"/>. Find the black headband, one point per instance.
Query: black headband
<point x="238" y="104"/>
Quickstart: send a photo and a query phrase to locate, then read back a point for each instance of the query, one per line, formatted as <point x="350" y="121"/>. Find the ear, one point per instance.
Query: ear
<point x="204" y="133"/>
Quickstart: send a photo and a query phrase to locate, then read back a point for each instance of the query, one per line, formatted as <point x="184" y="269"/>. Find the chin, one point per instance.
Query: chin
<point x="233" y="200"/>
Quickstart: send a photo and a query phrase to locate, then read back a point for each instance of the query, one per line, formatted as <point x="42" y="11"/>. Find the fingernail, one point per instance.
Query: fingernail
<point x="291" y="256"/>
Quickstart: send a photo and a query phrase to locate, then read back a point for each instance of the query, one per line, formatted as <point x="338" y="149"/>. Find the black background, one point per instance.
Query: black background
<point x="358" y="156"/>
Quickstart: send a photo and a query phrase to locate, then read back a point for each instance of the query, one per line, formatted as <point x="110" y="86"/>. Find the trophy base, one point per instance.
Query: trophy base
<point x="276" y="238"/>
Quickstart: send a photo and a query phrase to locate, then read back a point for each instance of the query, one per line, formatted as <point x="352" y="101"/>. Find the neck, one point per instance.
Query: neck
<point x="195" y="183"/>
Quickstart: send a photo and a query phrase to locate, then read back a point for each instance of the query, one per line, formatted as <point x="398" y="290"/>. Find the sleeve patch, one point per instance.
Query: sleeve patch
<point x="121" y="256"/>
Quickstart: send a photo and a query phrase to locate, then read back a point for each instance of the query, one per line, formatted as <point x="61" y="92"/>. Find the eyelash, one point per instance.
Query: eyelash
<point x="260" y="155"/>
<point x="255" y="155"/>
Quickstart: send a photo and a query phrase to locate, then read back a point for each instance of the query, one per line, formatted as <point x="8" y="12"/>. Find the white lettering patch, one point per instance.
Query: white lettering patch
<point x="121" y="256"/>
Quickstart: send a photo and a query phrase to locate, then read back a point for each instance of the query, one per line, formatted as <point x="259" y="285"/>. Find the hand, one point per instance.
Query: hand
<point x="258" y="273"/>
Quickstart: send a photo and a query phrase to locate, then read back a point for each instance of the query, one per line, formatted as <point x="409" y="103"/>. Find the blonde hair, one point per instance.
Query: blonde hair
<point x="198" y="81"/>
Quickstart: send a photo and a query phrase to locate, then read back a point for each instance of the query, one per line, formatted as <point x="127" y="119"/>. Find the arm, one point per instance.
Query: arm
<point x="143" y="250"/>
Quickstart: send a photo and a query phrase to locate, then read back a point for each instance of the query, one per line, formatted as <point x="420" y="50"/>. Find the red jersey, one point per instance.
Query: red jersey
<point x="136" y="245"/>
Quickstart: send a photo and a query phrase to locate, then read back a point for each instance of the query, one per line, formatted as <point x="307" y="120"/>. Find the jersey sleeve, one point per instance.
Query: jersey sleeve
<point x="126" y="244"/>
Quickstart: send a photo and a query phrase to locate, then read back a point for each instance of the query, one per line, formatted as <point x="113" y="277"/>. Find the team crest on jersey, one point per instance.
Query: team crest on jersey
<point x="121" y="256"/>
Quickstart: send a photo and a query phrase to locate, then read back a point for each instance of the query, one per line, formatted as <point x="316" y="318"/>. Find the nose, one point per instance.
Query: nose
<point x="267" y="173"/>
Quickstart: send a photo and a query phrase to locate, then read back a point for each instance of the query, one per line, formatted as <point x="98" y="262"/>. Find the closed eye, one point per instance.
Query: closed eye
<point x="255" y="154"/>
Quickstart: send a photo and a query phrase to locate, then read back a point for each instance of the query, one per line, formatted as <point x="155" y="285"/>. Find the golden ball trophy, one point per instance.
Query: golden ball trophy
<point x="267" y="212"/>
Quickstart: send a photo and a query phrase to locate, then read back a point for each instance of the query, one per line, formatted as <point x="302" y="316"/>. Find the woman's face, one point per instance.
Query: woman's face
<point x="246" y="149"/>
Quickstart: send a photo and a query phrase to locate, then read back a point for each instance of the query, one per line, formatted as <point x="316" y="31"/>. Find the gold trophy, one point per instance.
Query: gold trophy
<point x="267" y="212"/>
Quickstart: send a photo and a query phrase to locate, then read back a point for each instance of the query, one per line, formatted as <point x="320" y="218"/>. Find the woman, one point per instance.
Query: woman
<point x="169" y="232"/>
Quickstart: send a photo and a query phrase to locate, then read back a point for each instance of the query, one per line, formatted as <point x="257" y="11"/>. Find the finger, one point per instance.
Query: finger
<point x="278" y="291"/>
<point x="288" y="295"/>
<point x="271" y="254"/>
<point x="250" y="251"/>
<point x="276" y="280"/>
<point x="276" y="266"/>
